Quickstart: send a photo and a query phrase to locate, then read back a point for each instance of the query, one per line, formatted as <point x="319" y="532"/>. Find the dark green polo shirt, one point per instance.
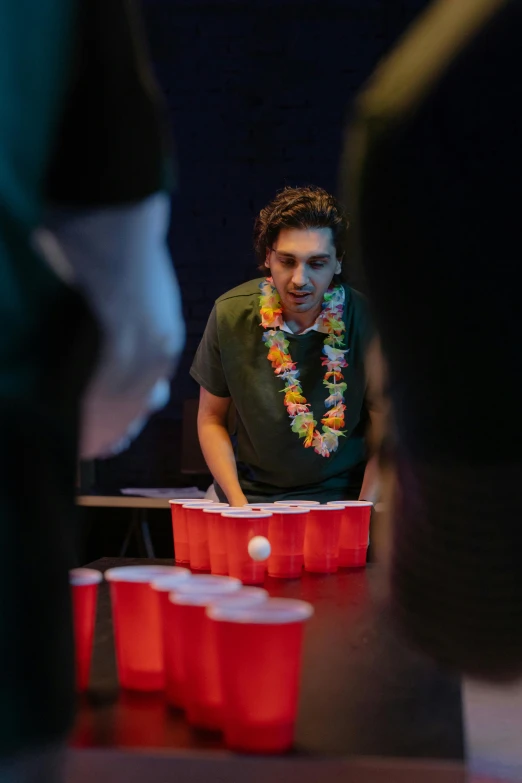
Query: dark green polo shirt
<point x="231" y="361"/>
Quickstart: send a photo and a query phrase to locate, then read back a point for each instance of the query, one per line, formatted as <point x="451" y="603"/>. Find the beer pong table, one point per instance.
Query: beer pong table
<point x="371" y="710"/>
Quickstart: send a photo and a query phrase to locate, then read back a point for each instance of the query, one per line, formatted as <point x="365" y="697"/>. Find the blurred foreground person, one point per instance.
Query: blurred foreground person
<point x="89" y="305"/>
<point x="435" y="175"/>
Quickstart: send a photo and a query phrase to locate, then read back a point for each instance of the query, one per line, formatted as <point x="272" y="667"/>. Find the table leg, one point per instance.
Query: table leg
<point x="145" y="534"/>
<point x="128" y="535"/>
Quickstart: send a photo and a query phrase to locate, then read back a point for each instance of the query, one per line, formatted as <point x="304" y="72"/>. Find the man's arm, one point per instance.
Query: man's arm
<point x="104" y="229"/>
<point x="216" y="445"/>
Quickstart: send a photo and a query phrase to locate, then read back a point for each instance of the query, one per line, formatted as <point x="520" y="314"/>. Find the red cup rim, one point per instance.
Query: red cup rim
<point x="273" y="509"/>
<point x="268" y="504"/>
<point x="200" y="590"/>
<point x="205" y="583"/>
<point x="327" y="508"/>
<point x="242" y="598"/>
<point x="273" y="611"/>
<point x="137" y="574"/>
<point x="350" y="503"/>
<point x="198" y="599"/>
<point x="292" y="510"/>
<point x="239" y="508"/>
<point x="247" y="514"/>
<point x="201" y="504"/>
<point x="185" y="501"/>
<point x="211" y="510"/>
<point x="297" y="503"/>
<point x="169" y="582"/>
<point x="81" y="577"/>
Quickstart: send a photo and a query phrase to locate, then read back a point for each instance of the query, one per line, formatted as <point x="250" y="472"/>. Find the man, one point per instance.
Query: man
<point x="291" y="352"/>
<point x="82" y="225"/>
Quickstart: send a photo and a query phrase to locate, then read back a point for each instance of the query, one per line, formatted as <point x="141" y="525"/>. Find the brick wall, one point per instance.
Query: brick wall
<point x="258" y="92"/>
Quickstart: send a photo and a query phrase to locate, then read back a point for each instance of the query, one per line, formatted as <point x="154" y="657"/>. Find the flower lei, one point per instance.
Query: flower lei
<point x="301" y="416"/>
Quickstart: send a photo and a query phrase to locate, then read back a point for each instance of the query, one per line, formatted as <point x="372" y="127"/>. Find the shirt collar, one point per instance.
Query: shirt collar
<point x="315" y="327"/>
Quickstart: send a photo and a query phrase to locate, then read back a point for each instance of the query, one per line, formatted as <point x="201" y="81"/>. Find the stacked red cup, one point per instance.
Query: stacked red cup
<point x="355" y="532"/>
<point x="286" y="533"/>
<point x="197" y="529"/>
<point x="242" y="526"/>
<point x="137" y="626"/>
<point x="84" y="588"/>
<point x="164" y="586"/>
<point x="322" y="534"/>
<point x="259" y="660"/>
<point x="200" y="687"/>
<point x="217" y="539"/>
<point x="179" y="530"/>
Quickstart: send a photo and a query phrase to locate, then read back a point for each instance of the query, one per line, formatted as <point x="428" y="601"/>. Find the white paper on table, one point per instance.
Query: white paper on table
<point x="162" y="492"/>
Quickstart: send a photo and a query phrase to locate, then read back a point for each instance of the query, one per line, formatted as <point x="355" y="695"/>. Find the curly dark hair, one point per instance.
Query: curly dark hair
<point x="308" y="207"/>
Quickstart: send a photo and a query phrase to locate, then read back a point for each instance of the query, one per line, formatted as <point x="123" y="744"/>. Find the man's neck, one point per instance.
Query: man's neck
<point x="300" y="323"/>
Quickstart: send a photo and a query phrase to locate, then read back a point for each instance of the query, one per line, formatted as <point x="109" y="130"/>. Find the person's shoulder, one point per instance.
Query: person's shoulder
<point x="241" y="294"/>
<point x="238" y="309"/>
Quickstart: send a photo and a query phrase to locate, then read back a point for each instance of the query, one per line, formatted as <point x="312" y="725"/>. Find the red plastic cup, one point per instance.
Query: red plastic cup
<point x="199" y="687"/>
<point x="84" y="588"/>
<point x="174" y="678"/>
<point x="321" y="545"/>
<point x="297" y="503"/>
<point x="238" y="510"/>
<point x="137" y="626"/>
<point x="286" y="533"/>
<point x="217" y="540"/>
<point x="198" y="535"/>
<point x="270" y="507"/>
<point x="179" y="528"/>
<point x="355" y="531"/>
<point x="241" y="527"/>
<point x="264" y="506"/>
<point x="243" y="598"/>
<point x="259" y="657"/>
<point x="353" y="558"/>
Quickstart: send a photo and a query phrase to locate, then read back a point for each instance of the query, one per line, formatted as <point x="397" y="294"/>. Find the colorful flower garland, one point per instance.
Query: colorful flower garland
<point x="301" y="416"/>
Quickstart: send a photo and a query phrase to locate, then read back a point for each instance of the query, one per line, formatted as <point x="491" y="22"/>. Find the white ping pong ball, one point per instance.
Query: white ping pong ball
<point x="259" y="548"/>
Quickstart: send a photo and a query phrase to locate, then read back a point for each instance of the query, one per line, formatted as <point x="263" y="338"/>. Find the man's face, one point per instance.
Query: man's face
<point x="302" y="263"/>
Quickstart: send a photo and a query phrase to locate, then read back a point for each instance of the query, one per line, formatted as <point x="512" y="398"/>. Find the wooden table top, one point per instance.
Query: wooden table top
<point x="120" y="501"/>
<point x="367" y="703"/>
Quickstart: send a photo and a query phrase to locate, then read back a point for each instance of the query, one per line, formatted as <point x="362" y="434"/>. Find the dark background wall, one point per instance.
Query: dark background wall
<point x="258" y="94"/>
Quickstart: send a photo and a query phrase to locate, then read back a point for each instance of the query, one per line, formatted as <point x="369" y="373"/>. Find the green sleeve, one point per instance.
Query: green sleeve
<point x="207" y="368"/>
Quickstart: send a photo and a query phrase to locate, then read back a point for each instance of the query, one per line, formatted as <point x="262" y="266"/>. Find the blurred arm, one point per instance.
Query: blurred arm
<point x="105" y="227"/>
